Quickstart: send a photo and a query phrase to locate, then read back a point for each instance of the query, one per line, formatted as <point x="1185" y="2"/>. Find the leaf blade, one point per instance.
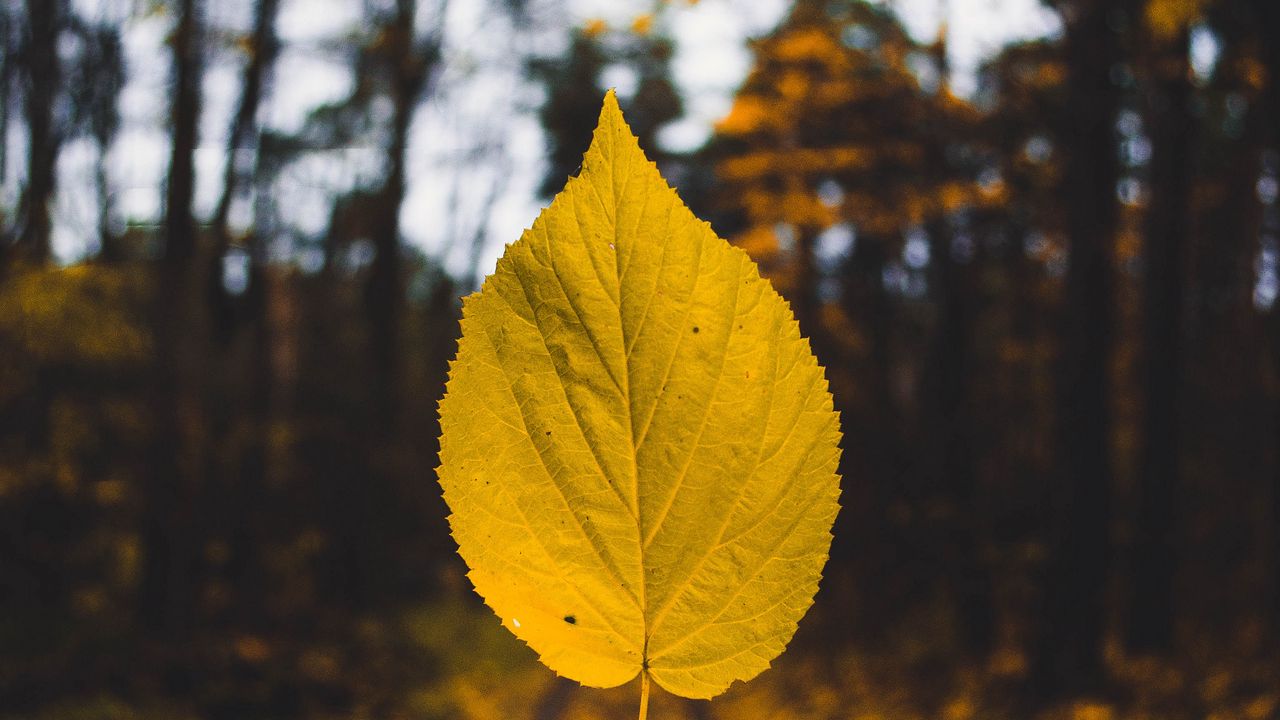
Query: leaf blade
<point x="662" y="440"/>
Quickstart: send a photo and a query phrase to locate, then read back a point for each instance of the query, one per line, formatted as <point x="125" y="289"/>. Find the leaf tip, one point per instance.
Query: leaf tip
<point x="611" y="112"/>
<point x="611" y="101"/>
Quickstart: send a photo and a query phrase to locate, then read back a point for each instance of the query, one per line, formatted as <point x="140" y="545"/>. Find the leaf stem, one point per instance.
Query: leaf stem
<point x="644" y="694"/>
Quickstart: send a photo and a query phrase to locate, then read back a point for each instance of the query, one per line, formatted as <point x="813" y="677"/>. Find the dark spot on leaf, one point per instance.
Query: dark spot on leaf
<point x="571" y="619"/>
<point x="695" y="328"/>
<point x="548" y="433"/>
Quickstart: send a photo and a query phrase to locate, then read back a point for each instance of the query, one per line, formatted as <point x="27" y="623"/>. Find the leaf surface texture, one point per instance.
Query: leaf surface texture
<point x="639" y="448"/>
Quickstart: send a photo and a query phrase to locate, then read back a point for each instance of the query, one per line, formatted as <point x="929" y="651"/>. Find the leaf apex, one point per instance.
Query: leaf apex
<point x="611" y="101"/>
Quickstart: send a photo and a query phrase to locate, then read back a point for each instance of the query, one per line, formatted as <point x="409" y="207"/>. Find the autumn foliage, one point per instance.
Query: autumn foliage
<point x="1045" y="310"/>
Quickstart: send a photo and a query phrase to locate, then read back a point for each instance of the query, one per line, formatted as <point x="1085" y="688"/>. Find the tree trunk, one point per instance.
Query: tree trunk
<point x="41" y="65"/>
<point x="1171" y="126"/>
<point x="951" y="438"/>
<point x="179" y="225"/>
<point x="871" y="544"/>
<point x="109" y="55"/>
<point x="243" y="134"/>
<point x="384" y="289"/>
<point x="243" y="487"/>
<point x="1268" y="13"/>
<point x="805" y="300"/>
<point x="109" y="247"/>
<point x="1067" y="656"/>
<point x="167" y="592"/>
<point x="8" y="58"/>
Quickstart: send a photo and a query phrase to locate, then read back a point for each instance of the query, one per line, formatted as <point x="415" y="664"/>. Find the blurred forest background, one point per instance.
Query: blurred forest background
<point x="1046" y="306"/>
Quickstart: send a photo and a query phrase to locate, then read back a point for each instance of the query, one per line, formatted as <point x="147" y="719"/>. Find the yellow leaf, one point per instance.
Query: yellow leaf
<point x="638" y="448"/>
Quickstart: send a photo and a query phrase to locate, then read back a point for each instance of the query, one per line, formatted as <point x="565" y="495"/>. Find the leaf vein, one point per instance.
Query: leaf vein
<point x="697" y="275"/>
<point x="599" y="552"/>
<point x="728" y="518"/>
<point x="782" y="539"/>
<point x="702" y="427"/>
